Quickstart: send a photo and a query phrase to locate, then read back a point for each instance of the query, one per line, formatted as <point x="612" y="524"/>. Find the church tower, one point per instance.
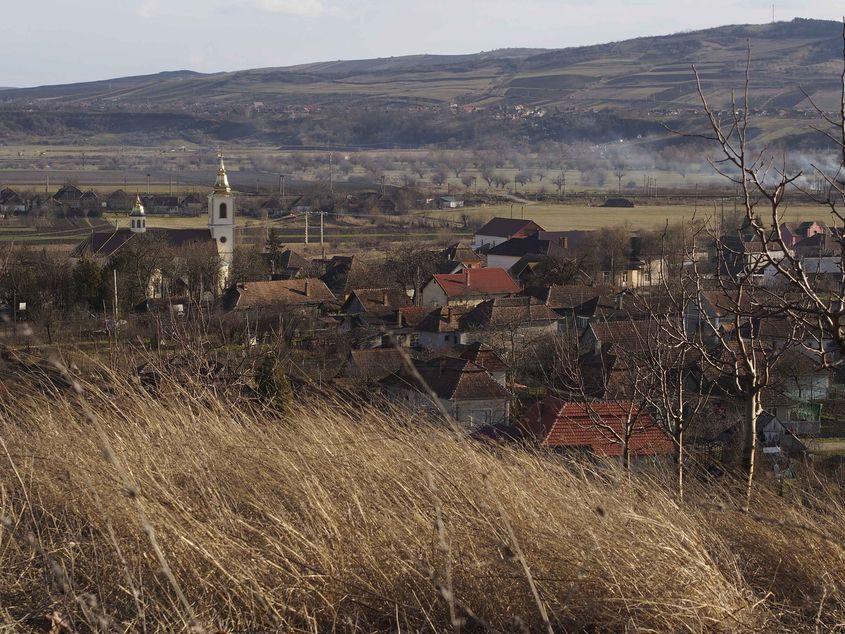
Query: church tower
<point x="221" y="221"/>
<point x="137" y="217"/>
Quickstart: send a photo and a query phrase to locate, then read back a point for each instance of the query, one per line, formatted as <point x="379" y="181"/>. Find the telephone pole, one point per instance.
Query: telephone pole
<point x="322" y="213"/>
<point x="331" y="175"/>
<point x="306" y="227"/>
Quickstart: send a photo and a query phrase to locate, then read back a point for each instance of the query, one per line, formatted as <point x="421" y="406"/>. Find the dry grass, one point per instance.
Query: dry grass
<point x="337" y="517"/>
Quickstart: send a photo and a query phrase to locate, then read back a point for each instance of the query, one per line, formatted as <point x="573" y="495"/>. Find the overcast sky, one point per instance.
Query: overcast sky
<point x="62" y="41"/>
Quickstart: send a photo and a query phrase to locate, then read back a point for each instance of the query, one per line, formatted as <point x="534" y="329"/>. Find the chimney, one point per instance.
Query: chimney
<point x="307" y="288"/>
<point x="399" y="318"/>
<point x="384" y="299"/>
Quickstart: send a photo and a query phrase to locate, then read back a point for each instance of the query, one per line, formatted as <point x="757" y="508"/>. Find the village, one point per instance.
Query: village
<point x="644" y="348"/>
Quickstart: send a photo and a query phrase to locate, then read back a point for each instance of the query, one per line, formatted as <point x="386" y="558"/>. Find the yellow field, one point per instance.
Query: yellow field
<point x="568" y="217"/>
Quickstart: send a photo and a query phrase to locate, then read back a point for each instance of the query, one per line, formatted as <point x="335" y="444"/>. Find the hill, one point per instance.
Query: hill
<point x="181" y="510"/>
<point x="639" y="79"/>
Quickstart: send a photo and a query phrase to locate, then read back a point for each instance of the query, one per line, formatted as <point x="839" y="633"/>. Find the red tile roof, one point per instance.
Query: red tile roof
<point x="596" y="426"/>
<point x="477" y="282"/>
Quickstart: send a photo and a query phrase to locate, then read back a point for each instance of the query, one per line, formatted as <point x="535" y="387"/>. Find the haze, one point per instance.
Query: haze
<point x="62" y="41"/>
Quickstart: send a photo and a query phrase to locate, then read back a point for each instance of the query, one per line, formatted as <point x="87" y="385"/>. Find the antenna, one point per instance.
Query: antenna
<point x="773" y="13"/>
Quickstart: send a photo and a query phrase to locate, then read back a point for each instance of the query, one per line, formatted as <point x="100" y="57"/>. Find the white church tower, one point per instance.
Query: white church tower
<point x="221" y="221"/>
<point x="137" y="217"/>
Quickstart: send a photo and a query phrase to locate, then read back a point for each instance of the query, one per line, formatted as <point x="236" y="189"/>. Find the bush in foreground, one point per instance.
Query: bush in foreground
<point x="180" y="510"/>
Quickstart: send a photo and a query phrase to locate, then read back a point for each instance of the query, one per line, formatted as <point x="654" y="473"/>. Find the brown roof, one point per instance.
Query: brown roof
<point x="484" y="356"/>
<point x="443" y="319"/>
<point x="509" y="311"/>
<point x="451" y="379"/>
<point x="508" y="227"/>
<point x="380" y="300"/>
<point x="596" y="426"/>
<point x="461" y="252"/>
<point x="373" y="364"/>
<point x="570" y="296"/>
<point x="413" y="315"/>
<point x="104" y="244"/>
<point x="477" y="282"/>
<point x="260" y="294"/>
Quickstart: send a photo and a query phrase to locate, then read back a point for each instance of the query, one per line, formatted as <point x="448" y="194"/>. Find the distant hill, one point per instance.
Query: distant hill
<point x="641" y="79"/>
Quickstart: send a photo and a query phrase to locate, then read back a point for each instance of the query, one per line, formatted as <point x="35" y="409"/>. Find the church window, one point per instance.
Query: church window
<point x="224" y="210"/>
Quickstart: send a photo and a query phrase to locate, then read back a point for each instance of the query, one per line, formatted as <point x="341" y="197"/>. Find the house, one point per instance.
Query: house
<point x="440" y="329"/>
<point x="599" y="428"/>
<point x="379" y="307"/>
<point x="289" y="265"/>
<point x="463" y="254"/>
<point x="467" y="391"/>
<point x="508" y="253"/>
<point x="119" y="200"/>
<point x="161" y="204"/>
<point x="89" y="202"/>
<point x="372" y="365"/>
<point x="509" y="321"/>
<point x="11" y="202"/>
<point x="483" y="355"/>
<point x="743" y="255"/>
<point x="826" y="271"/>
<point x="309" y="292"/>
<point x="449" y="202"/>
<point x="775" y="438"/>
<point x="68" y="196"/>
<point x="792" y="233"/>
<point x="500" y="230"/>
<point x="192" y="204"/>
<point x="468" y="288"/>
<point x="576" y="302"/>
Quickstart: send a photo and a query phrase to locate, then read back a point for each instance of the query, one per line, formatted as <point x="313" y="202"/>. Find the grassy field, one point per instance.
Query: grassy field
<point x="568" y="217"/>
<point x="325" y="516"/>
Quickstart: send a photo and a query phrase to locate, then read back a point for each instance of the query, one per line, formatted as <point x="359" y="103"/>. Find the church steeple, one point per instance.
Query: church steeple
<point x="138" y="217"/>
<point x="221" y="185"/>
<point x="221" y="221"/>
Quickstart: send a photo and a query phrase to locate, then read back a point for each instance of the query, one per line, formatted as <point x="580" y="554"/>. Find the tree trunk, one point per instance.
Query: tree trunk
<point x="752" y="412"/>
<point x="679" y="456"/>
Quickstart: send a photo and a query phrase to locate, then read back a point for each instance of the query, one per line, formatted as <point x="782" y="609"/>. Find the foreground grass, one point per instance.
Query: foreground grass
<point x="181" y="509"/>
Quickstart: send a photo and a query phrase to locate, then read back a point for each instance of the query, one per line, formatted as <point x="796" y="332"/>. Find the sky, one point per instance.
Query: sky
<point x="63" y="41"/>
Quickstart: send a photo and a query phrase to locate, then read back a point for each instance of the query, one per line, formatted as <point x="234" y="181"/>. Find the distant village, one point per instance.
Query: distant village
<point x="557" y="338"/>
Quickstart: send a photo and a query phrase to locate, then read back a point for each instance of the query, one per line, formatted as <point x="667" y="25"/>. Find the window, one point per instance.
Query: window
<point x="224" y="211"/>
<point x="222" y="239"/>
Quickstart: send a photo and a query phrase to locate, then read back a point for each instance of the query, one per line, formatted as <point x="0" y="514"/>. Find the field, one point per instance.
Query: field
<point x="568" y="217"/>
<point x="323" y="516"/>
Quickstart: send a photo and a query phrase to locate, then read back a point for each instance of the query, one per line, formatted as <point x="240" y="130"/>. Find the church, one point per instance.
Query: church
<point x="218" y="237"/>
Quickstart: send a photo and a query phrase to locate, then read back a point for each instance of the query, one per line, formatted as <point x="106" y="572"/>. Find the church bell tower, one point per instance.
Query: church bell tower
<point x="221" y="221"/>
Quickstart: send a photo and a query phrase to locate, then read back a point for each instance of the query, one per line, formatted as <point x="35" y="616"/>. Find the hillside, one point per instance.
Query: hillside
<point x="640" y="79"/>
<point x="154" y="513"/>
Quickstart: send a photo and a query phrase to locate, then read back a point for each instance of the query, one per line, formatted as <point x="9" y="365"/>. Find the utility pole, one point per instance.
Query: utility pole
<point x="148" y="184"/>
<point x="331" y="175"/>
<point x="114" y="272"/>
<point x="322" y="213"/>
<point x="47" y="184"/>
<point x="306" y="227"/>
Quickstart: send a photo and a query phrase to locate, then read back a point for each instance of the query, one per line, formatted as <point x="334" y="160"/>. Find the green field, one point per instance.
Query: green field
<point x="569" y="217"/>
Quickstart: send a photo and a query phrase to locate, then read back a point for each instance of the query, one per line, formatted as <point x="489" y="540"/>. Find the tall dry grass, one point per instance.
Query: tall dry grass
<point x="365" y="519"/>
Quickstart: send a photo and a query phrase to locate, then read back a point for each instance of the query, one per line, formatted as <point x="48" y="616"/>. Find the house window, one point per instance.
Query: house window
<point x="624" y="278"/>
<point x="224" y="210"/>
<point x="606" y="276"/>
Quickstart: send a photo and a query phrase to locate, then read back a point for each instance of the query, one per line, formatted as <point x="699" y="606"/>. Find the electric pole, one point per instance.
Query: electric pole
<point x="322" y="213"/>
<point x="306" y="227"/>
